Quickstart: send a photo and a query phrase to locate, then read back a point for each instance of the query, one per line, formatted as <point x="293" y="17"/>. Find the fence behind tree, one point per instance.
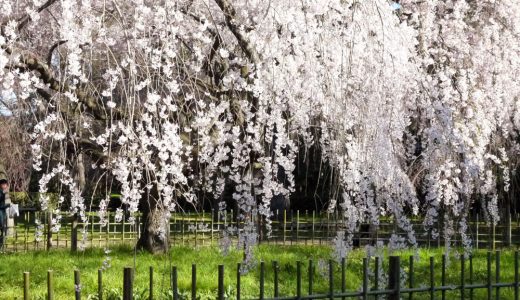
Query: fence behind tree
<point x="396" y="280"/>
<point x="205" y="228"/>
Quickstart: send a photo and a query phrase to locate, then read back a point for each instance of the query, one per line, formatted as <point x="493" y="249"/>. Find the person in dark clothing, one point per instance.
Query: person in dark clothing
<point x="4" y="189"/>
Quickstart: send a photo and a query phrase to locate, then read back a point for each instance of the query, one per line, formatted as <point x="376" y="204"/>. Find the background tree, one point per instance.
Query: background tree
<point x="190" y="102"/>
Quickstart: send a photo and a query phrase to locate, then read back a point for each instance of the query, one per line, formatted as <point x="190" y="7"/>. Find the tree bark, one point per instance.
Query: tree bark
<point x="155" y="229"/>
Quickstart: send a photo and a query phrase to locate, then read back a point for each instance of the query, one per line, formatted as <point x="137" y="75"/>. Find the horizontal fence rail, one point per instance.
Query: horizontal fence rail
<point x="398" y="281"/>
<point x="30" y="230"/>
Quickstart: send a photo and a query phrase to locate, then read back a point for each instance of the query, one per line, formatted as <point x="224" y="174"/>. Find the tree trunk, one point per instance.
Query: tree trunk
<point x="79" y="177"/>
<point x="155" y="228"/>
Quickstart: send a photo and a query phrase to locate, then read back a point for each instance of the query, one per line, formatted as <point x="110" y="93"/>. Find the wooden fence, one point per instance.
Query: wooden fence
<point x="395" y="288"/>
<point x="205" y="228"/>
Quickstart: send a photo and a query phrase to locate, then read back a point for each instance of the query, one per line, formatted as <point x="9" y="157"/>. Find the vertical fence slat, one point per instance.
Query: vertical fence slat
<point x="275" y="278"/>
<point x="443" y="277"/>
<point x="150" y="284"/>
<point x="394" y="278"/>
<point x="462" y="280"/>
<point x="77" y="285"/>
<point x="311" y="277"/>
<point x="516" y="275"/>
<point x="497" y="274"/>
<point x="26" y="283"/>
<point x="221" y="282"/>
<point x="365" y="278"/>
<point x="432" y="279"/>
<point x="175" y="290"/>
<point x="376" y="276"/>
<point x="193" y="282"/>
<point x="238" y="280"/>
<point x="471" y="276"/>
<point x="262" y="278"/>
<point x="128" y="283"/>
<point x="343" y="279"/>
<point x="50" y="285"/>
<point x="100" y="284"/>
<point x="331" y="280"/>
<point x="410" y="277"/>
<point x="298" y="280"/>
<point x="488" y="277"/>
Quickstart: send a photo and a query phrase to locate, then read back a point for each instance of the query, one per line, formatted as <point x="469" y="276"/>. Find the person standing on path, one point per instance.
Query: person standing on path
<point x="4" y="204"/>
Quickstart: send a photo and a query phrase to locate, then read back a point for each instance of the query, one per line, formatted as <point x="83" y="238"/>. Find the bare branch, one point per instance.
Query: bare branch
<point x="23" y="21"/>
<point x="240" y="35"/>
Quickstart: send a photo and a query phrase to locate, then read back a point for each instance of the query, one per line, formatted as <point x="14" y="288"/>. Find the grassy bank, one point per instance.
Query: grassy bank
<point x="207" y="259"/>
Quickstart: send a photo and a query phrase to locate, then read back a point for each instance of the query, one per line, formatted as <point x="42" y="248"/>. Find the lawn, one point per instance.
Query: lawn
<point x="63" y="263"/>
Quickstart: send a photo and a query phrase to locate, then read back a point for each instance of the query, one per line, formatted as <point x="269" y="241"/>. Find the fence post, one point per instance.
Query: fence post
<point x="311" y="278"/>
<point x="150" y="296"/>
<point x="193" y="282"/>
<point x="365" y="278"/>
<point x="516" y="275"/>
<point x="462" y="279"/>
<point x="275" y="279"/>
<point x="50" y="286"/>
<point x="174" y="283"/>
<point x="411" y="282"/>
<point x="298" y="280"/>
<point x="443" y="277"/>
<point x="376" y="277"/>
<point x="488" y="277"/>
<point x="100" y="283"/>
<point x="394" y="278"/>
<point x="432" y="280"/>
<point x="77" y="285"/>
<point x="331" y="280"/>
<point x="471" y="276"/>
<point x="497" y="274"/>
<point x="343" y="276"/>
<point x="221" y="282"/>
<point x="262" y="277"/>
<point x="26" y="286"/>
<point x="128" y="284"/>
<point x="238" y="281"/>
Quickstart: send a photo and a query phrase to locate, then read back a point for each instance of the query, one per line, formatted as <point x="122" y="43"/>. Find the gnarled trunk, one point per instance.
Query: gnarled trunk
<point x="154" y="228"/>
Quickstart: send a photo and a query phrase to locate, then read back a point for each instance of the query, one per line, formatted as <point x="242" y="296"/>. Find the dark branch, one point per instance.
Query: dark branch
<point x="23" y="21"/>
<point x="240" y="35"/>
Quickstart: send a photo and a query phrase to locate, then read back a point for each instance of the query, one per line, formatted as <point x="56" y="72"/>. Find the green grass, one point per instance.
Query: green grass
<point x="63" y="263"/>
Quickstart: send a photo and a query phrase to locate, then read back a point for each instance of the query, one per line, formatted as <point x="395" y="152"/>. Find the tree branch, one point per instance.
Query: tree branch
<point x="23" y="21"/>
<point x="240" y="35"/>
